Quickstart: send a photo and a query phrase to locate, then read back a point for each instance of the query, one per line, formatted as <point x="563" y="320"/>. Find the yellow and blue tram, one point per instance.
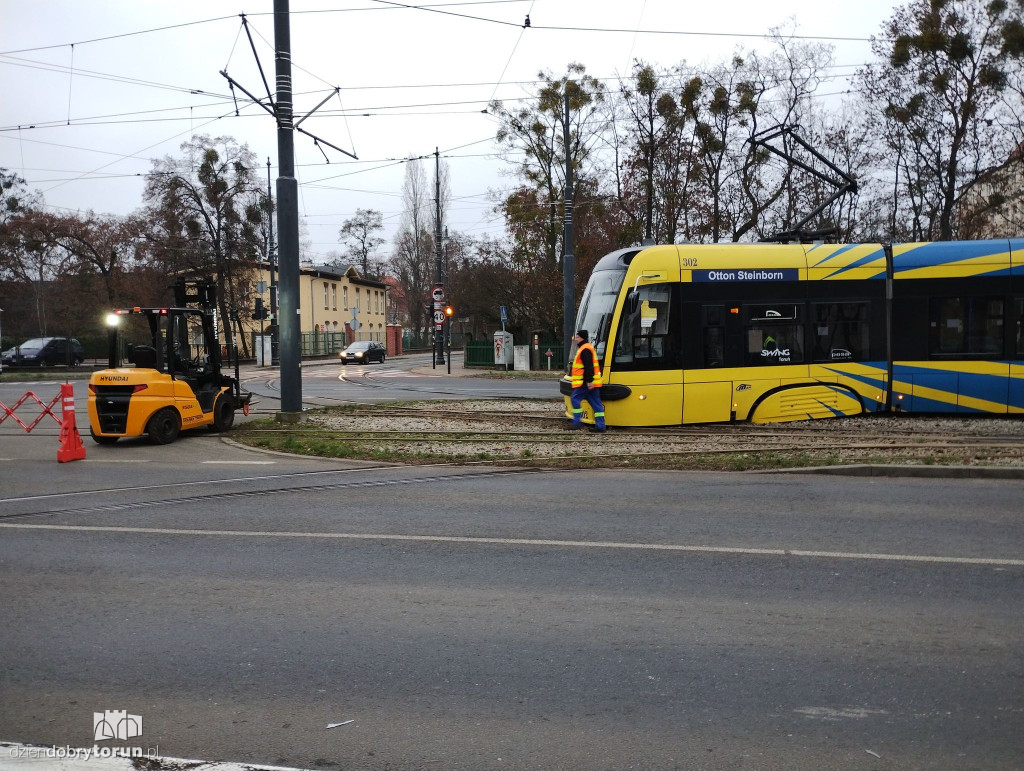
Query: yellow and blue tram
<point x="778" y="332"/>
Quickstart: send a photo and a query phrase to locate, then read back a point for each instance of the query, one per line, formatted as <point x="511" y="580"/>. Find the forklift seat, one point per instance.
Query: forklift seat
<point x="143" y="356"/>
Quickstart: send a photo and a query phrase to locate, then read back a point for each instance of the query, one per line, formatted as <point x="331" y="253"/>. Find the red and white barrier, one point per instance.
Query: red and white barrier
<point x="71" y="447"/>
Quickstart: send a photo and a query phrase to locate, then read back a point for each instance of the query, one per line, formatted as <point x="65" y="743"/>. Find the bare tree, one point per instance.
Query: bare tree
<point x="534" y="138"/>
<point x="206" y="210"/>
<point x="659" y="153"/>
<point x="102" y="245"/>
<point x="359" y="235"/>
<point x="946" y="104"/>
<point x="28" y="256"/>
<point x="412" y="260"/>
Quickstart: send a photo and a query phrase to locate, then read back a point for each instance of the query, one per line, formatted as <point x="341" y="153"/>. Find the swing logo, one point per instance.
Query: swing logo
<point x="115" y="724"/>
<point x="782" y="354"/>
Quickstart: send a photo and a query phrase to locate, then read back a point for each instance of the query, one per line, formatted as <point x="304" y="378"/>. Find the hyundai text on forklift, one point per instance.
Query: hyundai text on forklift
<point x="177" y="380"/>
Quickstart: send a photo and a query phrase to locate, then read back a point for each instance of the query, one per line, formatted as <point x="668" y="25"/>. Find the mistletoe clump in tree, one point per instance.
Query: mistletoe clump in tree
<point x="207" y="213"/>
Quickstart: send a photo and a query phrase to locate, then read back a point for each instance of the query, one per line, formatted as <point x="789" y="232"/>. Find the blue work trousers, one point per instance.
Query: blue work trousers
<point x="591" y="396"/>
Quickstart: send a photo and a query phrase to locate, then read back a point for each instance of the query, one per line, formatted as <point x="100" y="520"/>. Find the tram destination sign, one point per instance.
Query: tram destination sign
<point x="723" y="276"/>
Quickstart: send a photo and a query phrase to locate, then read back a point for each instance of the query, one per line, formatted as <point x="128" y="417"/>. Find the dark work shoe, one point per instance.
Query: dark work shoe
<point x="575" y="427"/>
<point x="596" y="430"/>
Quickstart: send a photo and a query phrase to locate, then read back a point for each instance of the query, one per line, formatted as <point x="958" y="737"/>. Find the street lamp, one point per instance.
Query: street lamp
<point x="113" y="355"/>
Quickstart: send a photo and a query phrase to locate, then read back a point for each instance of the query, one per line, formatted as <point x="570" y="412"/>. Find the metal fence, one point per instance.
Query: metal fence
<point x="479" y="354"/>
<point x="482" y="355"/>
<point x="557" y="355"/>
<point x="322" y="343"/>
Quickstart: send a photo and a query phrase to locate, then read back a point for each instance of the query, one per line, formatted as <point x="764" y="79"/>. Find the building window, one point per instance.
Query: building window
<point x="344" y="296"/>
<point x="326" y="306"/>
<point x="334" y="296"/>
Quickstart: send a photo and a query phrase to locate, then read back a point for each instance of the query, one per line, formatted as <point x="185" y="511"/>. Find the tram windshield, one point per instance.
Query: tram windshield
<point x="597" y="308"/>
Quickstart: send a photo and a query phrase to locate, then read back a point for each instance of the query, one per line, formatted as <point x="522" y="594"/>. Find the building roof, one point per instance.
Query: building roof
<point x="338" y="271"/>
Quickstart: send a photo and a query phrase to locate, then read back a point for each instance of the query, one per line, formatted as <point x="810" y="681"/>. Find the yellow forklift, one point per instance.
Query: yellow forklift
<point x="176" y="381"/>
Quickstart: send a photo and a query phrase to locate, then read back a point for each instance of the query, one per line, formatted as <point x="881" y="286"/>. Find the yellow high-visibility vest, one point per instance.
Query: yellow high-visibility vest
<point x="577" y="367"/>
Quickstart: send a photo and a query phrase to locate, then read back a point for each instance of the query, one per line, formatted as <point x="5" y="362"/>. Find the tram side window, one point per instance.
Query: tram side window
<point x="841" y="332"/>
<point x="648" y="337"/>
<point x="774" y="334"/>
<point x="965" y="326"/>
<point x="1020" y="326"/>
<point x="713" y="335"/>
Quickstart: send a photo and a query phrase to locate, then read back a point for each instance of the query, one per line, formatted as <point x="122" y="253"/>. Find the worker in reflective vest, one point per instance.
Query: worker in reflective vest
<point x="586" y="384"/>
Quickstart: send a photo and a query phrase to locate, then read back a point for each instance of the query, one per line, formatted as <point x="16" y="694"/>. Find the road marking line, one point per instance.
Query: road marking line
<point x="283" y="475"/>
<point x="117" y="460"/>
<point x="454" y="539"/>
<point x="240" y="462"/>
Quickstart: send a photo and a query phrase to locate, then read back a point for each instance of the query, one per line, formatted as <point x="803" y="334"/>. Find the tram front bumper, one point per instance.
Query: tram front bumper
<point x="609" y="393"/>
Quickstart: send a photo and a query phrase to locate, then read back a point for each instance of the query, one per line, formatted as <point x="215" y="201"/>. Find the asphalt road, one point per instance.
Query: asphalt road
<point x="405" y="378"/>
<point x="467" y="618"/>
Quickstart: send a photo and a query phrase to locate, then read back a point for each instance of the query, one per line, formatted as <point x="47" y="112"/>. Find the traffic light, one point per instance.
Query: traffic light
<point x="260" y="312"/>
<point x="449" y="311"/>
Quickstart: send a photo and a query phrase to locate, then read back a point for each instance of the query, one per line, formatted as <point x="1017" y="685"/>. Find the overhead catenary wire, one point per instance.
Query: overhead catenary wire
<point x="129" y="155"/>
<point x="351" y="112"/>
<point x="393" y="110"/>
<point x="438" y="9"/>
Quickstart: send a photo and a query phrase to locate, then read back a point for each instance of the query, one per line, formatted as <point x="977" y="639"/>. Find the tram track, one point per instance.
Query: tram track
<point x="521" y="434"/>
<point x="628" y="437"/>
<point x="223" y="495"/>
<point x="839" y="428"/>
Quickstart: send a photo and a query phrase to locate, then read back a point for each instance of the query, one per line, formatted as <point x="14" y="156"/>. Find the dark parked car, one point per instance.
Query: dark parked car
<point x="43" y="352"/>
<point x="363" y="352"/>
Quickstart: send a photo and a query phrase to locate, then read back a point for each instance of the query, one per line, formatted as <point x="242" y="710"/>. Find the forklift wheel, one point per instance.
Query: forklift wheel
<point x="223" y="415"/>
<point x="164" y="426"/>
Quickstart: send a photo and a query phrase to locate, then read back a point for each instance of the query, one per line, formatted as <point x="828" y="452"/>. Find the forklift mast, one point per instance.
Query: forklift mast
<point x="201" y="294"/>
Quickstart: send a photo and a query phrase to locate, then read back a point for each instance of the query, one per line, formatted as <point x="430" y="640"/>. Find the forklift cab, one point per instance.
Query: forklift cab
<point x="194" y="356"/>
<point x="182" y="346"/>
<point x="177" y="382"/>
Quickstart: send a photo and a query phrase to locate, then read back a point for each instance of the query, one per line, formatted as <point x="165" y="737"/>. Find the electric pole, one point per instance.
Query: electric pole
<point x="289" y="321"/>
<point x="438" y="280"/>
<point x="271" y="259"/>
<point x="568" y="259"/>
<point x="287" y="221"/>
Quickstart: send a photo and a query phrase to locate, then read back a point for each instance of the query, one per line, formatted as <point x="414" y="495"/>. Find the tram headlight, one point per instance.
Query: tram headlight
<point x="642" y="397"/>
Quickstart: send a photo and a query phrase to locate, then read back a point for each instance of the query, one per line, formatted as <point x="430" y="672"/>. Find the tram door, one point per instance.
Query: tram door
<point x="647" y="357"/>
<point x="714" y="338"/>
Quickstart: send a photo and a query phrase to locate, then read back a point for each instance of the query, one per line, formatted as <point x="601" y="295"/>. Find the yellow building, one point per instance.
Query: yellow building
<point x="331" y="297"/>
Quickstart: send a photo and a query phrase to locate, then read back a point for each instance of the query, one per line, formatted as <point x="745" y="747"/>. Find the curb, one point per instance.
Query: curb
<point x="37" y="756"/>
<point x="922" y="472"/>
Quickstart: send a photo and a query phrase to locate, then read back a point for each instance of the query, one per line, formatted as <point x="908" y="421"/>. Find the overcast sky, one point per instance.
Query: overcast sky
<point x="107" y="89"/>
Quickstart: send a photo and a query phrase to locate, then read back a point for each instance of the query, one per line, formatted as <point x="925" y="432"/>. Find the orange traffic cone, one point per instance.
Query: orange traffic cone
<point x="71" y="447"/>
